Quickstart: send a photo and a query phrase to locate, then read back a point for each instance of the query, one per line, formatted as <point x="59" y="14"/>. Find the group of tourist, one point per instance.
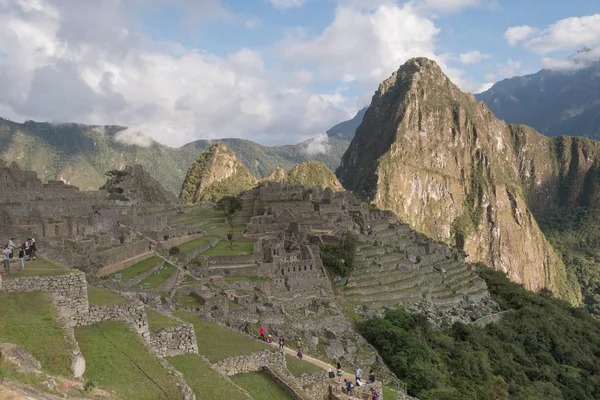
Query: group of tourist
<point x="27" y="251"/>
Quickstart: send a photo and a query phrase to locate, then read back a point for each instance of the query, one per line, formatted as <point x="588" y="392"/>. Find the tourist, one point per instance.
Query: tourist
<point x="358" y="373"/>
<point x="33" y="248"/>
<point x="299" y="354"/>
<point x="281" y="341"/>
<point x="261" y="333"/>
<point x="339" y="372"/>
<point x="374" y="394"/>
<point x="269" y="338"/>
<point x="349" y="386"/>
<point x="359" y="383"/>
<point x="27" y="247"/>
<point x="22" y="258"/>
<point x="6" y="260"/>
<point x="371" y="377"/>
<point x="11" y="246"/>
<point x="330" y="373"/>
<point x="299" y="344"/>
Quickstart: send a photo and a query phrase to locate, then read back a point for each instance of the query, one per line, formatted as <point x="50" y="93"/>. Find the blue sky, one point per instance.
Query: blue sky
<point x="272" y="71"/>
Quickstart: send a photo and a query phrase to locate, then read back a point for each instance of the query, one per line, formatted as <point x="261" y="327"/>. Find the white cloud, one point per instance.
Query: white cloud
<point x="490" y="77"/>
<point x="582" y="59"/>
<point x="516" y="34"/>
<point x="447" y="5"/>
<point x="253" y="23"/>
<point x="473" y="57"/>
<point x="567" y="34"/>
<point x="284" y="4"/>
<point x="484" y="87"/>
<point x="510" y="68"/>
<point x="318" y="145"/>
<point x="134" y="138"/>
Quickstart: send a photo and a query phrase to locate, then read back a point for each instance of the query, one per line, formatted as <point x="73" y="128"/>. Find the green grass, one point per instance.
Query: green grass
<point x="389" y="393"/>
<point x="187" y="301"/>
<point x="204" y="381"/>
<point x="39" y="267"/>
<point x="217" y="342"/>
<point x="223" y="248"/>
<point x="260" y="386"/>
<point x="136" y="269"/>
<point x="107" y="367"/>
<point x="230" y="278"/>
<point x="98" y="296"/>
<point x="158" y="278"/>
<point x="29" y="320"/>
<point x="194" y="244"/>
<point x="158" y="321"/>
<point x="298" y="367"/>
<point x="225" y="228"/>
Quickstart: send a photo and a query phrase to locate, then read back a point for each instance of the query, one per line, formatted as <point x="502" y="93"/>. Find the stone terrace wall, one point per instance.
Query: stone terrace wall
<point x="118" y="266"/>
<point x="133" y="313"/>
<point x="68" y="292"/>
<point x="231" y="260"/>
<point x="251" y="362"/>
<point x="177" y="241"/>
<point x="174" y="341"/>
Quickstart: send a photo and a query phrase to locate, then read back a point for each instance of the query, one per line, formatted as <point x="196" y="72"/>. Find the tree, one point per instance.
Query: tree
<point x="230" y="205"/>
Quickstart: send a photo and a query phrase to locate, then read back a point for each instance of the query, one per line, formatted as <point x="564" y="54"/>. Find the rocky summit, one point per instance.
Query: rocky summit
<point x="310" y="173"/>
<point x="215" y="174"/>
<point x="133" y="184"/>
<point x="446" y="165"/>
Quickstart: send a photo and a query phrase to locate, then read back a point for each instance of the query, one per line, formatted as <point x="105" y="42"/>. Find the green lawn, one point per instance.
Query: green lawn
<point x="389" y="393"/>
<point x="298" y="367"/>
<point x="29" y="320"/>
<point x="194" y="244"/>
<point x="98" y="296"/>
<point x="187" y="301"/>
<point x="261" y="386"/>
<point x="205" y="381"/>
<point x="231" y="278"/>
<point x="158" y="278"/>
<point x="158" y="321"/>
<point x="222" y="229"/>
<point x="39" y="267"/>
<point x="217" y="342"/>
<point x="109" y="348"/>
<point x="137" y="269"/>
<point x="223" y="248"/>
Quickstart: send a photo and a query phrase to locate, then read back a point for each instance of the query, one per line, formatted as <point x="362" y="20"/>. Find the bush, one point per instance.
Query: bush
<point x="173" y="251"/>
<point x="339" y="258"/>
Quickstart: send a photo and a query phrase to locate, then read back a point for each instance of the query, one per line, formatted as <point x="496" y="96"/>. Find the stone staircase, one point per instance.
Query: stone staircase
<point x="397" y="265"/>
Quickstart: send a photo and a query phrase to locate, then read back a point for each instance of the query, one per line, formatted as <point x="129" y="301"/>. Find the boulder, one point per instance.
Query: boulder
<point x="77" y="365"/>
<point x="16" y="355"/>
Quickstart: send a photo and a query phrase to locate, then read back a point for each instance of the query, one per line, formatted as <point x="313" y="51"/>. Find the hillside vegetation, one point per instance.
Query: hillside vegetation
<point x="543" y="349"/>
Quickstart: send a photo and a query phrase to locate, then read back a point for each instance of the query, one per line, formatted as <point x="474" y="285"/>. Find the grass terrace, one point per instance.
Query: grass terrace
<point x="111" y="351"/>
<point x="204" y="381"/>
<point x="187" y="301"/>
<point x="158" y="278"/>
<point x="196" y="243"/>
<point x="29" y="320"/>
<point x="157" y="321"/>
<point x="298" y="367"/>
<point x="136" y="269"/>
<point x="98" y="296"/>
<point x="39" y="267"/>
<point x="261" y="386"/>
<point x="223" y="248"/>
<point x="217" y="342"/>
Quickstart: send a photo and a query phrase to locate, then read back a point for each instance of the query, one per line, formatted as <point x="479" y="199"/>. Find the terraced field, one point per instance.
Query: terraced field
<point x="395" y="266"/>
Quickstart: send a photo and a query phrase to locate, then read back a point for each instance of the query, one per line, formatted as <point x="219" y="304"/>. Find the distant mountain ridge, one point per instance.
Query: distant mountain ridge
<point x="555" y="102"/>
<point x="81" y="154"/>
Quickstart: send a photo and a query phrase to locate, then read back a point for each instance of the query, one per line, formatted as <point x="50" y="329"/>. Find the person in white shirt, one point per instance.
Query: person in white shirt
<point x="6" y="260"/>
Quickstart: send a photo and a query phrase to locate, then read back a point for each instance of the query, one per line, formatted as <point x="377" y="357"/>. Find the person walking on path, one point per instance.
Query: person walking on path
<point x="339" y="372"/>
<point x="33" y="249"/>
<point x="22" y="258"/>
<point x="299" y="344"/>
<point x="11" y="246"/>
<point x="6" y="260"/>
<point x="330" y="373"/>
<point x="371" y="377"/>
<point x="281" y="341"/>
<point x="261" y="333"/>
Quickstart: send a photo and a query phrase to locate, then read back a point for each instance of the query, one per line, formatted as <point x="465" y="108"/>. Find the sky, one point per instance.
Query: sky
<point x="272" y="71"/>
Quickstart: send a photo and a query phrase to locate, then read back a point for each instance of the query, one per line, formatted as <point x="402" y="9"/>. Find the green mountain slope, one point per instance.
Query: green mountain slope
<point x="82" y="154"/>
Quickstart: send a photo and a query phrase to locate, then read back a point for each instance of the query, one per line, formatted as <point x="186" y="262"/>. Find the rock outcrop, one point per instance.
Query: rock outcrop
<point x="314" y="173"/>
<point x="447" y="166"/>
<point x="215" y="174"/>
<point x="136" y="186"/>
<point x="278" y="175"/>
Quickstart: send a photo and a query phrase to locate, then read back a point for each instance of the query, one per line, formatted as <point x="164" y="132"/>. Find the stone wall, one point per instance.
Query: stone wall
<point x="176" y="241"/>
<point x="250" y="362"/>
<point x="68" y="292"/>
<point x="133" y="313"/>
<point x="118" y="266"/>
<point x="174" y="341"/>
<point x="231" y="260"/>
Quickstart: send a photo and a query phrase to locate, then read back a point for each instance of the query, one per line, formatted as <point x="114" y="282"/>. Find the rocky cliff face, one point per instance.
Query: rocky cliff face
<point x="446" y="165"/>
<point x="278" y="175"/>
<point x="313" y="173"/>
<point x="136" y="186"/>
<point x="216" y="173"/>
